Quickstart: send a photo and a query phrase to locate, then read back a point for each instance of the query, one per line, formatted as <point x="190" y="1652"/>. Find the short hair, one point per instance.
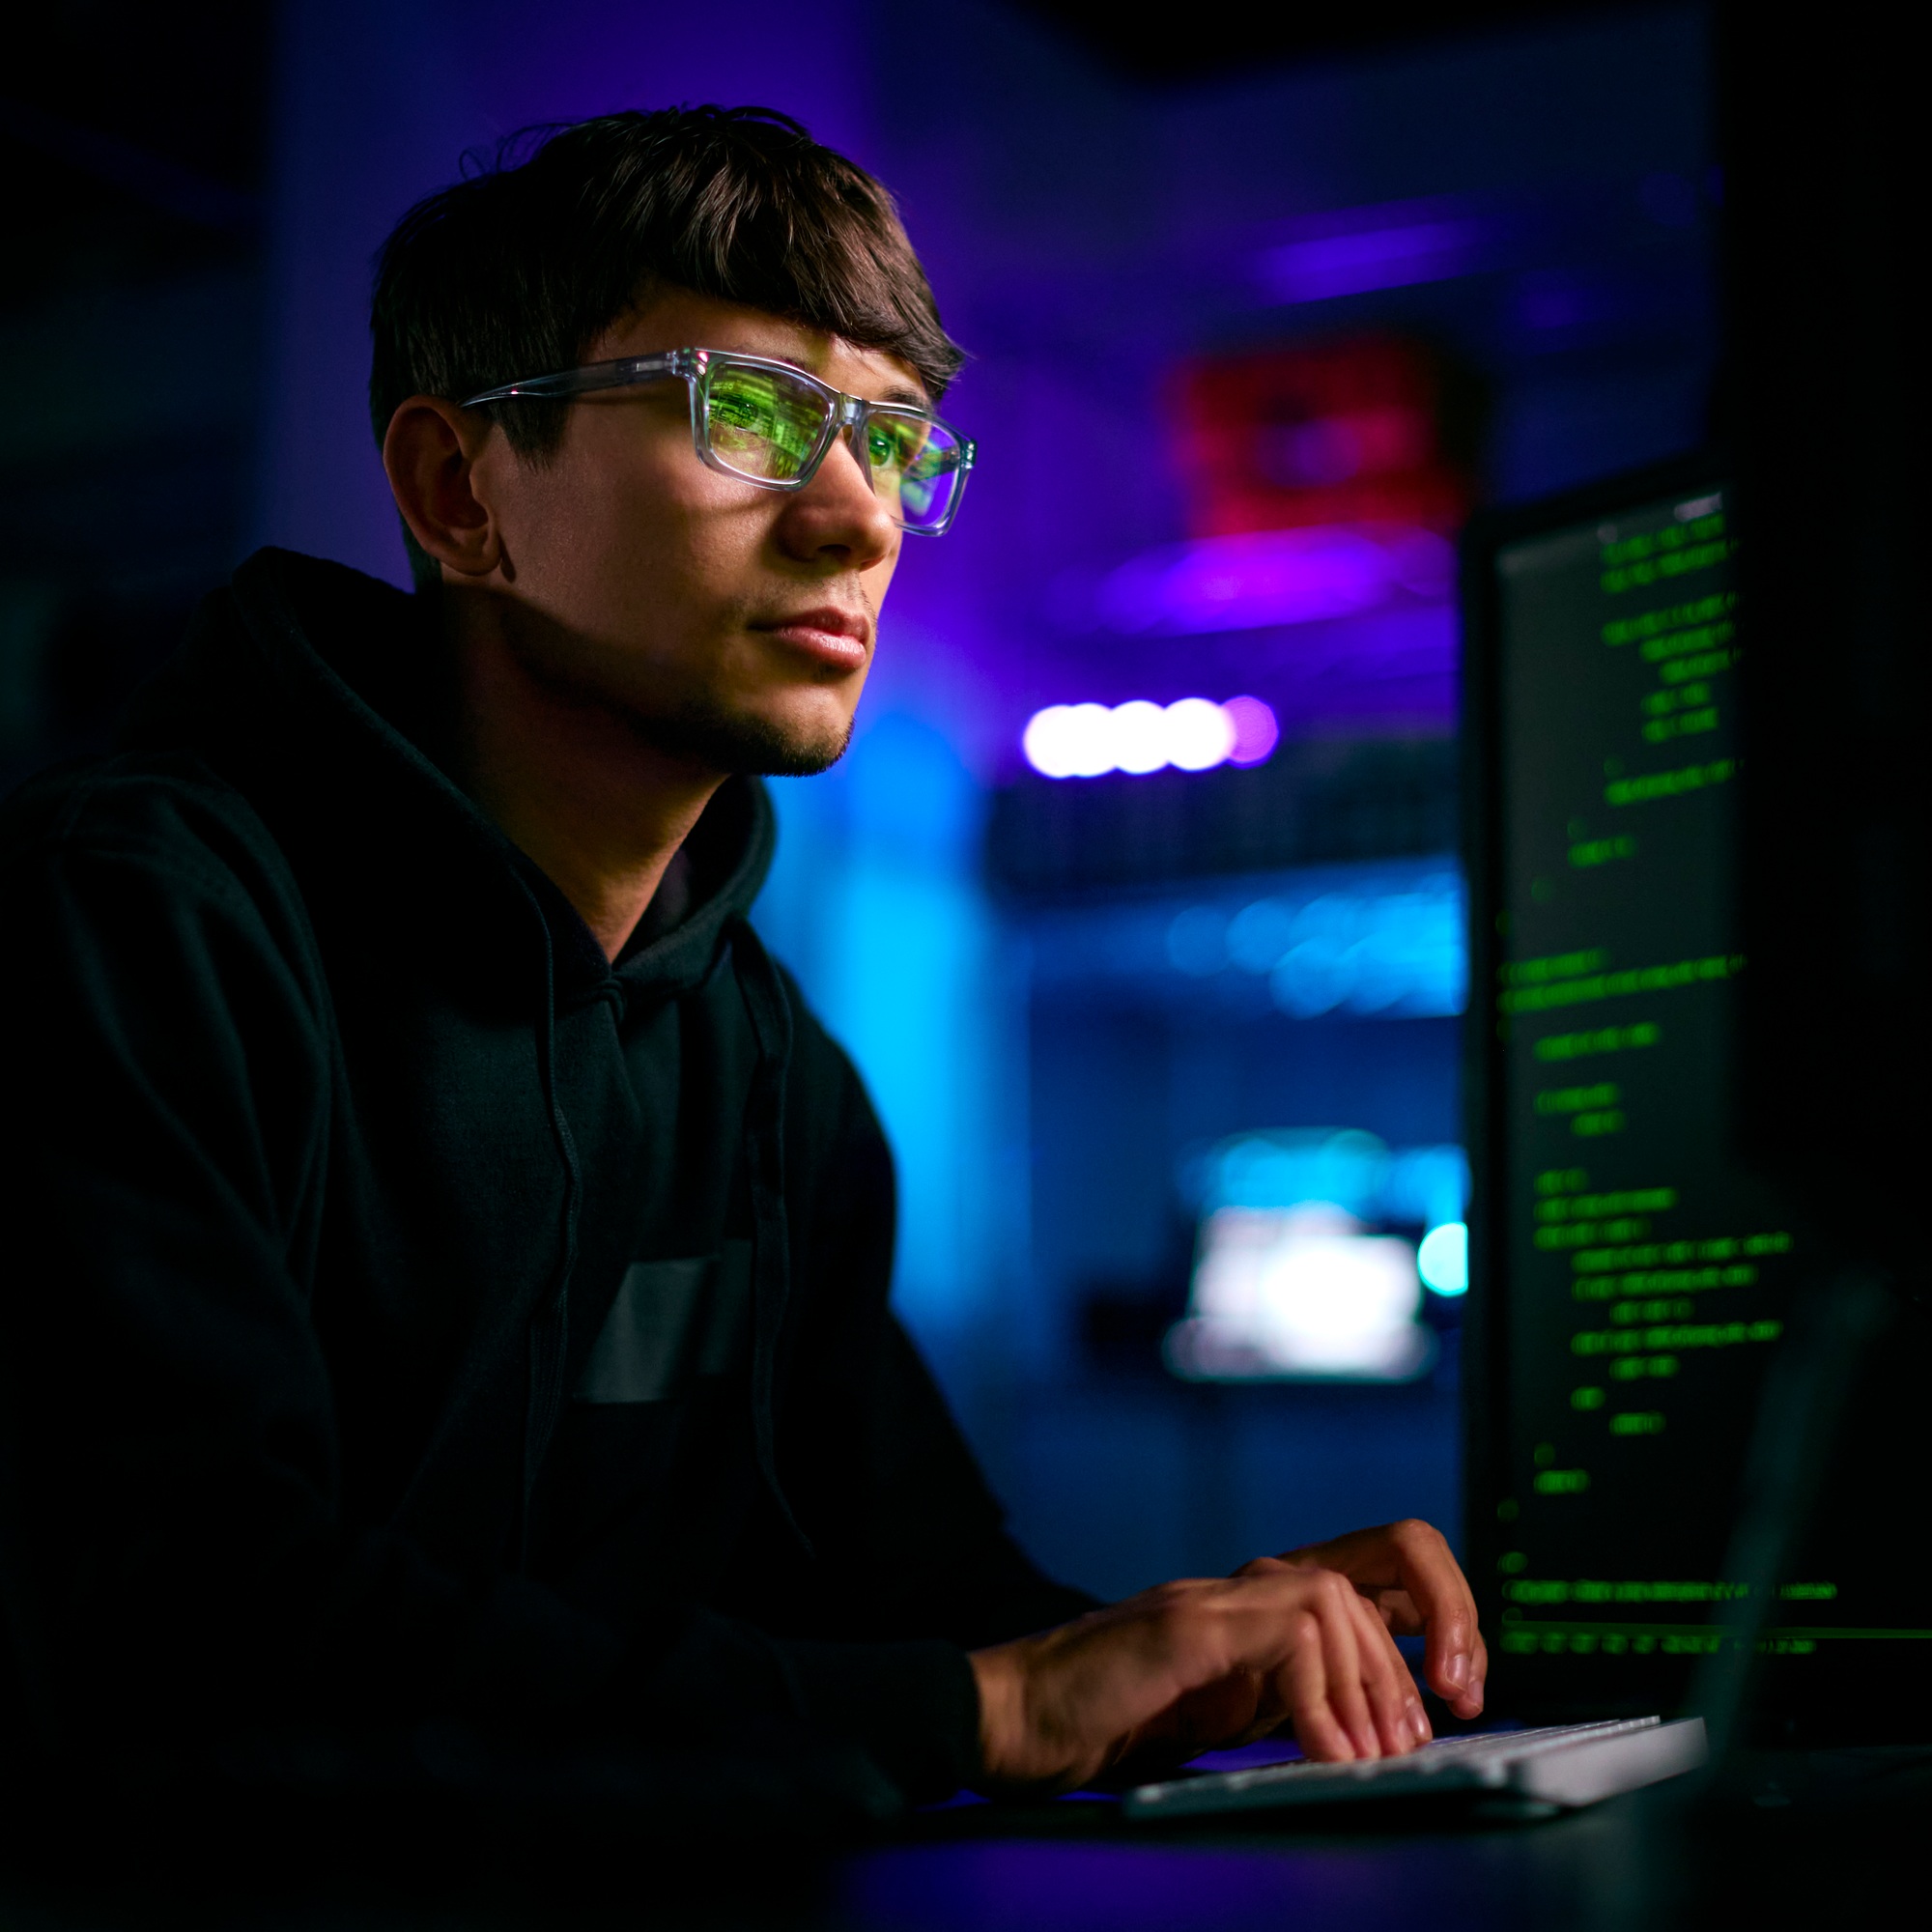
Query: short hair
<point x="516" y="269"/>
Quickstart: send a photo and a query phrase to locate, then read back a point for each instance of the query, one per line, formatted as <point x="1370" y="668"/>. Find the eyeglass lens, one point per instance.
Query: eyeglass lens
<point x="764" y="425"/>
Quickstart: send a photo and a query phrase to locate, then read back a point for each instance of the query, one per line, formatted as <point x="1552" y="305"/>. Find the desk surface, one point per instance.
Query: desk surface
<point x="1649" y="1860"/>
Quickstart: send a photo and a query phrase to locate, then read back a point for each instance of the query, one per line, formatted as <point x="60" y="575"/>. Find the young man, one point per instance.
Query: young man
<point x="457" y="1259"/>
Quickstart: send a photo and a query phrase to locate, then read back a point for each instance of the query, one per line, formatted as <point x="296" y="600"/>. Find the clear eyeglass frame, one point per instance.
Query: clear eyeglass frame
<point x="849" y="417"/>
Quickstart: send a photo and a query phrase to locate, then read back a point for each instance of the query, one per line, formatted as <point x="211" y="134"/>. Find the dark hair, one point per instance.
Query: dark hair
<point x="517" y="268"/>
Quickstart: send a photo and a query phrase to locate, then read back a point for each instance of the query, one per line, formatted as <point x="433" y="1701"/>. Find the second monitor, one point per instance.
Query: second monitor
<point x="1631" y="1277"/>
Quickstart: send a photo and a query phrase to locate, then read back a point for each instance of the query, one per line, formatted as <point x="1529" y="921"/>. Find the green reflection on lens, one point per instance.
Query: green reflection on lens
<point x="761" y="424"/>
<point x="893" y="444"/>
<point x="920" y="469"/>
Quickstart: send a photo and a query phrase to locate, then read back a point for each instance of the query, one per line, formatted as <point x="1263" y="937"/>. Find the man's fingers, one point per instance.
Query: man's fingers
<point x="1433" y="1581"/>
<point x="1369" y="1690"/>
<point x="1334" y="1603"/>
<point x="1471" y="1703"/>
<point x="1397" y="1612"/>
<point x="1198" y="1663"/>
<point x="1391" y="1692"/>
<point x="1304" y="1683"/>
<point x="1426" y="1571"/>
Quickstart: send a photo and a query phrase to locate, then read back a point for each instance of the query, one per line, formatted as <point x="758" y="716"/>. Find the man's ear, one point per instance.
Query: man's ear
<point x="429" y="452"/>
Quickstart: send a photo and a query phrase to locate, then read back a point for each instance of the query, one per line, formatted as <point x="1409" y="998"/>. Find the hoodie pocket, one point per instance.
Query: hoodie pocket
<point x="671" y="1323"/>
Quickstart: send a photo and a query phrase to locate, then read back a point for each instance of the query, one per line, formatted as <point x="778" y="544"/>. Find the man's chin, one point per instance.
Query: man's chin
<point x="751" y="745"/>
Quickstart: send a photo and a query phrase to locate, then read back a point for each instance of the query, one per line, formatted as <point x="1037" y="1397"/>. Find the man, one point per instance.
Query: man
<point x="457" y="1259"/>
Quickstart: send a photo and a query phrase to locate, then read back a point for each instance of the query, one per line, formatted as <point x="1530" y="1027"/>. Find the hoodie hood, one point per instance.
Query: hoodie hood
<point x="315" y="690"/>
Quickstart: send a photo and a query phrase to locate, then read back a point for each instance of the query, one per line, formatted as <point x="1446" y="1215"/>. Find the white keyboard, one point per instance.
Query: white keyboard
<point x="1565" y="1764"/>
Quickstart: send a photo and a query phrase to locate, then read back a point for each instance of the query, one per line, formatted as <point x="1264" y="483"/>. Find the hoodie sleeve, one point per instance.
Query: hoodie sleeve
<point x="171" y="1541"/>
<point x="178" y="1562"/>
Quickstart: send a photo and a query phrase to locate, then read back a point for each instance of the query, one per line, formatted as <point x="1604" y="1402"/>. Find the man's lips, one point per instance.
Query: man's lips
<point x="834" y="637"/>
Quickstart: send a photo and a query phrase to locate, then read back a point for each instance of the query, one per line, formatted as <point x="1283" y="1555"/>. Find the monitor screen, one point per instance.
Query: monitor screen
<point x="1634" y="1276"/>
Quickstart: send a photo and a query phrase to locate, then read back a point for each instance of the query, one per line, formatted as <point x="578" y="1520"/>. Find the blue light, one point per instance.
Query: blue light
<point x="1390" y="953"/>
<point x="874" y="902"/>
<point x="1443" y="1259"/>
<point x="1338" y="1166"/>
<point x="1377" y="941"/>
<point x="1346" y="1167"/>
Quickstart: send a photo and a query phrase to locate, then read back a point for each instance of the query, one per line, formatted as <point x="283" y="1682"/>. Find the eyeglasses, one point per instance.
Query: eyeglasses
<point x="772" y="425"/>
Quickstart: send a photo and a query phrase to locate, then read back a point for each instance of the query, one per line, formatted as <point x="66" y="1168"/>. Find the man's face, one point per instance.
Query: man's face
<point x="730" y="625"/>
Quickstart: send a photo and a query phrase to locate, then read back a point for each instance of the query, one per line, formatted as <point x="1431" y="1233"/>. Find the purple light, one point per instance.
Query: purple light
<point x="1256" y="732"/>
<point x="1372" y="258"/>
<point x="1273" y="578"/>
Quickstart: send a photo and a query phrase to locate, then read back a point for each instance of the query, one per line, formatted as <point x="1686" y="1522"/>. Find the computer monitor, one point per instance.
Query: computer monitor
<point x="1631" y="1277"/>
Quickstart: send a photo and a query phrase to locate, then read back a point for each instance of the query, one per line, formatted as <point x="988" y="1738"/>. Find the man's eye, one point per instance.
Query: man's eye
<point x="893" y="446"/>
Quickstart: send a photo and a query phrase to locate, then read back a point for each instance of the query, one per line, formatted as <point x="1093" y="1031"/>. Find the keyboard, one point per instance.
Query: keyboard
<point x="1563" y="1765"/>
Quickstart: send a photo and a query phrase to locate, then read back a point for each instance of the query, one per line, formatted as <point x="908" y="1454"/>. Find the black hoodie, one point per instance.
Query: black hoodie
<point x="410" y="1316"/>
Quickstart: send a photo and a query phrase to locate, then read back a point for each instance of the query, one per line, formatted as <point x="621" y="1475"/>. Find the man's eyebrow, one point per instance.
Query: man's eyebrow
<point x="913" y="398"/>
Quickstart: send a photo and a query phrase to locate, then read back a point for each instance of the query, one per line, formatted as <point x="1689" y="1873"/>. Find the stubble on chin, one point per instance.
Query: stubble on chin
<point x="694" y="726"/>
<point x="725" y="739"/>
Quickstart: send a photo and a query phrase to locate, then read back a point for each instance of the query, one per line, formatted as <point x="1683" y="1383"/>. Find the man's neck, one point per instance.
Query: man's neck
<point x="571" y="781"/>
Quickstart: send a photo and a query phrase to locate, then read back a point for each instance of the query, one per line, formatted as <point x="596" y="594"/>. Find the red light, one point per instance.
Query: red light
<point x="1348" y="432"/>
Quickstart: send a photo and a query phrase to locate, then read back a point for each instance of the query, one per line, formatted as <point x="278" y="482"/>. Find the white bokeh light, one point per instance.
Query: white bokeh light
<point x="1139" y="737"/>
<point x="1300" y="1291"/>
<point x="1199" y="735"/>
<point x="1192" y="734"/>
<point x="1044" y="742"/>
<point x="1090" y="737"/>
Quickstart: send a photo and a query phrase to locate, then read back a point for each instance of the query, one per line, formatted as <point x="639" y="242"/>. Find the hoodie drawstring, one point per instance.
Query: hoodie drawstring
<point x="550" y="1325"/>
<point x="770" y="1013"/>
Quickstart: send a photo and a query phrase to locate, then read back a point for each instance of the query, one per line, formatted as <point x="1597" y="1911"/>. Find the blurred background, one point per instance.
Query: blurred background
<point x="1137" y="897"/>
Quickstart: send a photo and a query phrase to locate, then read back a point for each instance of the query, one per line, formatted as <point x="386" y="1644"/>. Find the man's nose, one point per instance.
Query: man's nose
<point x="838" y="513"/>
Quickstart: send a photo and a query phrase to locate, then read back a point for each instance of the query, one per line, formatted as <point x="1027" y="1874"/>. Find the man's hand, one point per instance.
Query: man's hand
<point x="1191" y="1665"/>
<point x="1406" y="1571"/>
